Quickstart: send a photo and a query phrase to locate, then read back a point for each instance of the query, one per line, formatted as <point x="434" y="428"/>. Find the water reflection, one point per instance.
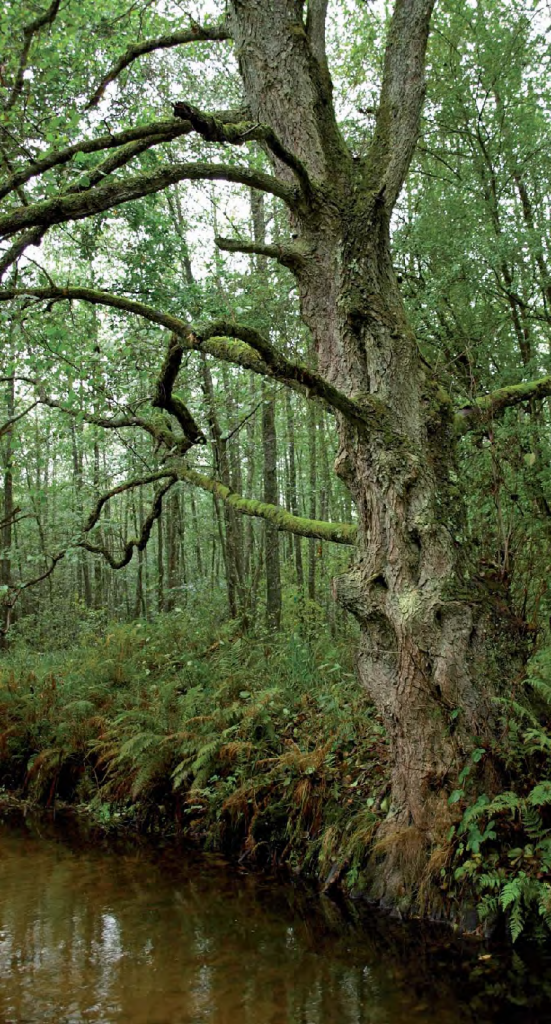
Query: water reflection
<point x="92" y="935"/>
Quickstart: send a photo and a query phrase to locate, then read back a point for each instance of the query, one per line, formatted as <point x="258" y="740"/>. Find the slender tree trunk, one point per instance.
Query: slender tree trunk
<point x="6" y="516"/>
<point x="271" y="533"/>
<point x="312" y="498"/>
<point x="293" y="492"/>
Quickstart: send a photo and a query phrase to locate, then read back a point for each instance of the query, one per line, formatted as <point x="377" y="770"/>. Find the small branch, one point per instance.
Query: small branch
<point x="337" y="533"/>
<point x="11" y="519"/>
<point x="28" y="32"/>
<point x="36" y="579"/>
<point x="478" y="412"/>
<point x="115" y="193"/>
<point x="159" y="431"/>
<point x="291" y="255"/>
<point x="135" y="543"/>
<point x="214" y="130"/>
<point x="215" y="33"/>
<point x="8" y="424"/>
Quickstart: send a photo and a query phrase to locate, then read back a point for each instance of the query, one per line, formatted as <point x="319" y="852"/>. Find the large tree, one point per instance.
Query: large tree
<point x="432" y="637"/>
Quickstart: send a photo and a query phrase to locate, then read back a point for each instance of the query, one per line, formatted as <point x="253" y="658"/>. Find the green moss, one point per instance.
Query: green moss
<point x="337" y="533"/>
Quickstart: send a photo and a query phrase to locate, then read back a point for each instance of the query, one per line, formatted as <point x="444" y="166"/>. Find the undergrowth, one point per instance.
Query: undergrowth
<point x="263" y="748"/>
<point x="503" y="844"/>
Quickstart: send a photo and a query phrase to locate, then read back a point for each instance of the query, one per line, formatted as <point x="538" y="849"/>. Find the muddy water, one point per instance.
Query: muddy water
<point x="96" y="934"/>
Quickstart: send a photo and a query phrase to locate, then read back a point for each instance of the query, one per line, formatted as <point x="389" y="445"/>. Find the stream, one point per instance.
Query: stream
<point x="123" y="932"/>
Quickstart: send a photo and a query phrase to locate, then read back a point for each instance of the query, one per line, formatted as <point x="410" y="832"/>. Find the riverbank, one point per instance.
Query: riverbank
<point x="265" y="750"/>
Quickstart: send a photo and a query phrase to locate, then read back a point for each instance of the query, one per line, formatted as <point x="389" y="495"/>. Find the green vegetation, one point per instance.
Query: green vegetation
<point x="262" y="747"/>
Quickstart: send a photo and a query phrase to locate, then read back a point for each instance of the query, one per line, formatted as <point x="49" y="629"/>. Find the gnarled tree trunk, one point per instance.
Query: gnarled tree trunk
<point x="423" y="655"/>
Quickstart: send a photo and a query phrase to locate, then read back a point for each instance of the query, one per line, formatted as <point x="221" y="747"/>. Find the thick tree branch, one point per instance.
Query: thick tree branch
<point x="32" y="237"/>
<point x="115" y="193"/>
<point x="214" y="130"/>
<point x="488" y="407"/>
<point x="291" y="255"/>
<point x="337" y="533"/>
<point x="166" y="399"/>
<point x="368" y="411"/>
<point x="234" y="343"/>
<point x="197" y="33"/>
<point x="402" y="95"/>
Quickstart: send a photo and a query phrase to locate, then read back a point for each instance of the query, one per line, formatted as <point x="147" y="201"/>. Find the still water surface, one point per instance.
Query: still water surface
<point x="102" y="934"/>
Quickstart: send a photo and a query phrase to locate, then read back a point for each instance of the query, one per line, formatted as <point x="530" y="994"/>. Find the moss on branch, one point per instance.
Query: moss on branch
<point x="337" y="533"/>
<point x="496" y="402"/>
<point x="115" y="193"/>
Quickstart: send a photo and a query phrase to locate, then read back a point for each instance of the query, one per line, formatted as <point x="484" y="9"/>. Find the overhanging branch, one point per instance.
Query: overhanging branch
<point x="115" y="193"/>
<point x="197" y="33"/>
<point x="490" y="406"/>
<point x="337" y="533"/>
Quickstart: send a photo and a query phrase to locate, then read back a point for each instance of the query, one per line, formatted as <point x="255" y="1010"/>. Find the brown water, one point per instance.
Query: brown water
<point x="97" y="934"/>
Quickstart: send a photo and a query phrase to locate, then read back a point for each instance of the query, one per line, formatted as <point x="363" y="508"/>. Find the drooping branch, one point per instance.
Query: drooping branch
<point x="135" y="543"/>
<point x="401" y="101"/>
<point x="483" y="410"/>
<point x="337" y="533"/>
<point x="29" y="32"/>
<point x="115" y="193"/>
<point x="214" y="130"/>
<point x="128" y="485"/>
<point x="234" y="343"/>
<point x="197" y="33"/>
<point x="291" y="255"/>
<point x="166" y="399"/>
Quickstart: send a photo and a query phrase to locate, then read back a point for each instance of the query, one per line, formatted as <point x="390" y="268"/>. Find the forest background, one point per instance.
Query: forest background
<point x="189" y="664"/>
